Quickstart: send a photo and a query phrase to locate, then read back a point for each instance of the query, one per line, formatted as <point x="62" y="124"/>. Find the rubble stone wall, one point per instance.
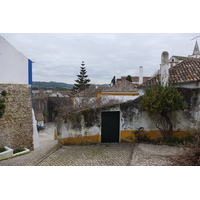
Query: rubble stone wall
<point x="16" y="125"/>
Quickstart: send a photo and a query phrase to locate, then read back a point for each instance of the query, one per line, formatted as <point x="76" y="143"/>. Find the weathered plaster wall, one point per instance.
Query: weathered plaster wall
<point x="16" y="126"/>
<point x="192" y="113"/>
<point x="82" y="126"/>
<point x="86" y="123"/>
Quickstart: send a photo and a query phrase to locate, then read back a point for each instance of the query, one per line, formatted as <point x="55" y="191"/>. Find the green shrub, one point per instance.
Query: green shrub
<point x="175" y="141"/>
<point x="4" y="93"/>
<point x="2" y="149"/>
<point x="1" y="113"/>
<point x="18" y="150"/>
<point x="2" y="104"/>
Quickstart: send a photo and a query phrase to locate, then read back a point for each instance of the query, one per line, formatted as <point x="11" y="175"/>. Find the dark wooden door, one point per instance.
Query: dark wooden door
<point x="110" y="123"/>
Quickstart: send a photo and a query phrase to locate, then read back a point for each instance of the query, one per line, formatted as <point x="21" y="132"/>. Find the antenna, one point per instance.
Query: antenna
<point x="196" y="37"/>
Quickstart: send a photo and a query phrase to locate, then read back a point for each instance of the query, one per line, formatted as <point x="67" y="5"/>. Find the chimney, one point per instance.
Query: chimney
<point x="140" y="75"/>
<point x="164" y="68"/>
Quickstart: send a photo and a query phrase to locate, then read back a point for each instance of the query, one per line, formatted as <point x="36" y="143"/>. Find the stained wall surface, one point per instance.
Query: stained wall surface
<point x="85" y="126"/>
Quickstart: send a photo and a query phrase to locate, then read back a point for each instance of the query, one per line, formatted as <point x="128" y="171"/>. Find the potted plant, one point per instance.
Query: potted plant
<point x="6" y="153"/>
<point x="20" y="151"/>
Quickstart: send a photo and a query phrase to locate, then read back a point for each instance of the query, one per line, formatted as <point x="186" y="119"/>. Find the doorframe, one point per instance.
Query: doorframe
<point x="119" y="123"/>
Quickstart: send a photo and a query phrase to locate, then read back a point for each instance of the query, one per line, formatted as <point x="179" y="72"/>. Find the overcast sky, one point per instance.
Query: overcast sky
<point x="114" y="38"/>
<point x="58" y="56"/>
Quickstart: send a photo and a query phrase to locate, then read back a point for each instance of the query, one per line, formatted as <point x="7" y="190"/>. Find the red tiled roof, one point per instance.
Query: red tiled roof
<point x="152" y="81"/>
<point x="135" y="78"/>
<point x="89" y="92"/>
<point x="122" y="86"/>
<point x="186" y="71"/>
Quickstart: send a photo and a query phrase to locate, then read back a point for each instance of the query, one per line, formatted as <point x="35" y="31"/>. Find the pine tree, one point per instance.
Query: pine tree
<point x="82" y="81"/>
<point x="128" y="78"/>
<point x="113" y="81"/>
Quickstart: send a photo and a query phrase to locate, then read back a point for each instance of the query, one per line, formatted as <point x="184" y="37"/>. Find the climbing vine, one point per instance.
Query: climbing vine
<point x="2" y="103"/>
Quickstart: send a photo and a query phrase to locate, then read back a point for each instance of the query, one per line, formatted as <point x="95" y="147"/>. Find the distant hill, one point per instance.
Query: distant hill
<point x="52" y="84"/>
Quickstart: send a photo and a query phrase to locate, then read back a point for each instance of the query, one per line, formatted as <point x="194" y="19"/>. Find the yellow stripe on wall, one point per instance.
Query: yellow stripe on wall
<point x="81" y="140"/>
<point x="125" y="136"/>
<point x="129" y="135"/>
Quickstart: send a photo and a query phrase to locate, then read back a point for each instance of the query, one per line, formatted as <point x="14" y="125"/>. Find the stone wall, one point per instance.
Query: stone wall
<point x="51" y="106"/>
<point x="16" y="126"/>
<point x="85" y="126"/>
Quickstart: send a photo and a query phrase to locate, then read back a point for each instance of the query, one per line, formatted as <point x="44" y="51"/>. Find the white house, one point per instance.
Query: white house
<point x="15" y="67"/>
<point x="16" y="73"/>
<point x="178" y="71"/>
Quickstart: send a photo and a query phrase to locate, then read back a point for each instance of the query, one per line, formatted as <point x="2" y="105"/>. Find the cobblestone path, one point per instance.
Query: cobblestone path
<point x="47" y="146"/>
<point x="154" y="155"/>
<point x="111" y="154"/>
<point x="32" y="158"/>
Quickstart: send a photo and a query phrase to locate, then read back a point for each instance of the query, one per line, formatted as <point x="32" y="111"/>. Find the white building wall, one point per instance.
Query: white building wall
<point x="119" y="98"/>
<point x="36" y="140"/>
<point x="190" y="85"/>
<point x="13" y="64"/>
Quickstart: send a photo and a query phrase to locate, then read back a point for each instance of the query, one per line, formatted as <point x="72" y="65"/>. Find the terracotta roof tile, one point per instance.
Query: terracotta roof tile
<point x="89" y="92"/>
<point x="122" y="86"/>
<point x="185" y="71"/>
<point x="134" y="78"/>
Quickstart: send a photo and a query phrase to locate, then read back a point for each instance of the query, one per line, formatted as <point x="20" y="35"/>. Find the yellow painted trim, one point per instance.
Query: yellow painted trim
<point x="129" y="135"/>
<point x="120" y="94"/>
<point x="98" y="95"/>
<point x="81" y="140"/>
<point x="72" y="99"/>
<point x="125" y="136"/>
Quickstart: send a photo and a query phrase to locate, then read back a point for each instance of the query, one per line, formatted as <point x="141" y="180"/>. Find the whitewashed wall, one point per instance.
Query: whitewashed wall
<point x="120" y="98"/>
<point x="15" y="67"/>
<point x="36" y="140"/>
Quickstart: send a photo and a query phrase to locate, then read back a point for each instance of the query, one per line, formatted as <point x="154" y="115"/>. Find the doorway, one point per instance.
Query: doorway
<point x="110" y="127"/>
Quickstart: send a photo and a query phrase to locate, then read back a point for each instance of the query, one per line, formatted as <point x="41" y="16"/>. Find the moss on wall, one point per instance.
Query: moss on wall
<point x="74" y="119"/>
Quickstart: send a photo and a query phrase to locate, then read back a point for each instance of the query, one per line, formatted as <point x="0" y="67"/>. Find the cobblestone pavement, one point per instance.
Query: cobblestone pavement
<point x="32" y="158"/>
<point x="47" y="146"/>
<point x="51" y="153"/>
<point x="154" y="155"/>
<point x="110" y="154"/>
